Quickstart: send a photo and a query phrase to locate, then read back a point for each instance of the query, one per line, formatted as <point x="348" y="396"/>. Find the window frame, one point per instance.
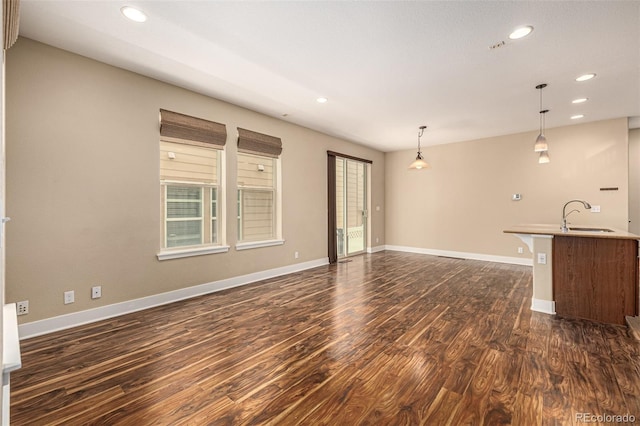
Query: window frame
<point x="208" y="245"/>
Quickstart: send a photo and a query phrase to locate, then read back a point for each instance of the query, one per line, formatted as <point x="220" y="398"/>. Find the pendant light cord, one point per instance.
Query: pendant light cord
<point x="542" y="111"/>
<point x="541" y="114"/>
<point x="420" y="133"/>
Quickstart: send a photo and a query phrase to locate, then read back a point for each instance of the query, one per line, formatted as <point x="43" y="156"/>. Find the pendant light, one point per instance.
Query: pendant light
<point x="419" y="163"/>
<point x="541" y="144"/>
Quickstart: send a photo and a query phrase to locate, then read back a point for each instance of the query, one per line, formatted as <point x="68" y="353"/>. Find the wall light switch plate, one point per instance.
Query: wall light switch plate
<point x="542" y="258"/>
<point x="69" y="297"/>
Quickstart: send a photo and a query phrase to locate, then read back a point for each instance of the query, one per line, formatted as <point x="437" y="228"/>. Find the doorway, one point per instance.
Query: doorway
<point x="351" y="211"/>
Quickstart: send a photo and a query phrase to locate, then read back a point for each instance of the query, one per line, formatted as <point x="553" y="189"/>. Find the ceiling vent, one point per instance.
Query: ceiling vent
<point x="499" y="44"/>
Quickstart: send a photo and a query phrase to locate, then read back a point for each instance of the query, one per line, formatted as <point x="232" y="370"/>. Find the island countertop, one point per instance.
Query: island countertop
<point x="555" y="229"/>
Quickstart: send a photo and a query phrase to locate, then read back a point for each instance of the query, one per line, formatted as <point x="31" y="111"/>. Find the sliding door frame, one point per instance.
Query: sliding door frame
<point x="332" y="239"/>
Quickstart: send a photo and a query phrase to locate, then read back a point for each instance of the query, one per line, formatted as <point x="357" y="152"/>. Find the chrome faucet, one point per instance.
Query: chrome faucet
<point x="564" y="215"/>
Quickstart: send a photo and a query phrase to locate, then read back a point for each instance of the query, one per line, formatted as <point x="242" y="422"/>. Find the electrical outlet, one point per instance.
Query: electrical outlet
<point x="69" y="297"/>
<point x="296" y="255"/>
<point x="22" y="308"/>
<point x="520" y="250"/>
<point x="96" y="292"/>
<point x="595" y="209"/>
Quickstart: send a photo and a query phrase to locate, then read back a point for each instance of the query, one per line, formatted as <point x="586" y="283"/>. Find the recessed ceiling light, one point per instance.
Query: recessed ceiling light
<point x="577" y="116"/>
<point x="579" y="100"/>
<point x="134" y="14"/>
<point x="521" y="32"/>
<point x="585" y="77"/>
<point x="322" y="100"/>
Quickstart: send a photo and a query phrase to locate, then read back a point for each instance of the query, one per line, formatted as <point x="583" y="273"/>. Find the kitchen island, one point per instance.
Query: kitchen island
<point x="587" y="273"/>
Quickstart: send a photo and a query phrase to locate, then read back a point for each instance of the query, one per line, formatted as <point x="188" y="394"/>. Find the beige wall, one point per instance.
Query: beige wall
<point x="464" y="201"/>
<point x="83" y="184"/>
<point x="634" y="181"/>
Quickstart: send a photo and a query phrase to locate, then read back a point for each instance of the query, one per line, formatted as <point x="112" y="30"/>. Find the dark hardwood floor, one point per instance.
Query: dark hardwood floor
<point x="389" y="338"/>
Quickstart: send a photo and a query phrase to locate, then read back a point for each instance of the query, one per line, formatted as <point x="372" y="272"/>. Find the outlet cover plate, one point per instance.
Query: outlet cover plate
<point x="22" y="308"/>
<point x="96" y="292"/>
<point x="69" y="297"/>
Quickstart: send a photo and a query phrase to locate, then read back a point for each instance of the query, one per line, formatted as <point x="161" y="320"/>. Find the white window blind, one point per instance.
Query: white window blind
<point x="184" y="216"/>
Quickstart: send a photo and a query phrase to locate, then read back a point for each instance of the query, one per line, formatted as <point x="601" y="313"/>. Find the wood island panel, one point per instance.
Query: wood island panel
<point x="595" y="278"/>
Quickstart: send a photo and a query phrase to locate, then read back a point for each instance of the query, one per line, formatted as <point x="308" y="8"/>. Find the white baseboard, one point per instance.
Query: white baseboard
<point x="49" y="325"/>
<point x="463" y="255"/>
<point x="375" y="249"/>
<point x="544" y="306"/>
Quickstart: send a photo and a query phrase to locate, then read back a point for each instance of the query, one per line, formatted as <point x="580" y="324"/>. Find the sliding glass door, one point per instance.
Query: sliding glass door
<point x="351" y="213"/>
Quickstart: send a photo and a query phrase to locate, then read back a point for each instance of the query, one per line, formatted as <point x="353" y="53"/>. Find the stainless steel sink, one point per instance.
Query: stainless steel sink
<point x="591" y="229"/>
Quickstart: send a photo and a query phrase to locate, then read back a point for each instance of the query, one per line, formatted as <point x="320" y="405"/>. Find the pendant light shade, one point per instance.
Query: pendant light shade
<point x="541" y="144"/>
<point x="544" y="157"/>
<point x="419" y="163"/>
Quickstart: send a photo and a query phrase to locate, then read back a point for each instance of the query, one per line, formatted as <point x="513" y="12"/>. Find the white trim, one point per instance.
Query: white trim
<point x="527" y="239"/>
<point x="222" y="198"/>
<point x="62" y="322"/>
<point x="278" y="200"/>
<point x="463" y="255"/>
<point x="375" y="249"/>
<point x="544" y="306"/>
<point x="165" y="182"/>
<point x="11" y="359"/>
<point x="258" y="244"/>
<point x="198" y="251"/>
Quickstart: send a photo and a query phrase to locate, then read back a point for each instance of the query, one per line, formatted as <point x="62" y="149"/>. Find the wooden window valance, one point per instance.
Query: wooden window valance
<point x="251" y="142"/>
<point x="178" y="127"/>
<point x="10" y="21"/>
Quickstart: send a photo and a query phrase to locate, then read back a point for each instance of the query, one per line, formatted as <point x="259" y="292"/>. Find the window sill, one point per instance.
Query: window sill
<point x="197" y="251"/>
<point x="258" y="244"/>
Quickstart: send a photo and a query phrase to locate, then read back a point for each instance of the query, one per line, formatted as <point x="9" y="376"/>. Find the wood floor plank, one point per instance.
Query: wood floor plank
<point x="388" y="338"/>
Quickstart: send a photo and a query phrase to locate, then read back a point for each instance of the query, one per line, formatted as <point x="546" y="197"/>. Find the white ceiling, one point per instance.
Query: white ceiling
<point x="386" y="67"/>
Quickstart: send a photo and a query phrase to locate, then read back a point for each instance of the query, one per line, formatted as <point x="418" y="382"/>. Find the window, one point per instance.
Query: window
<point x="258" y="200"/>
<point x="183" y="216"/>
<point x="190" y="179"/>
